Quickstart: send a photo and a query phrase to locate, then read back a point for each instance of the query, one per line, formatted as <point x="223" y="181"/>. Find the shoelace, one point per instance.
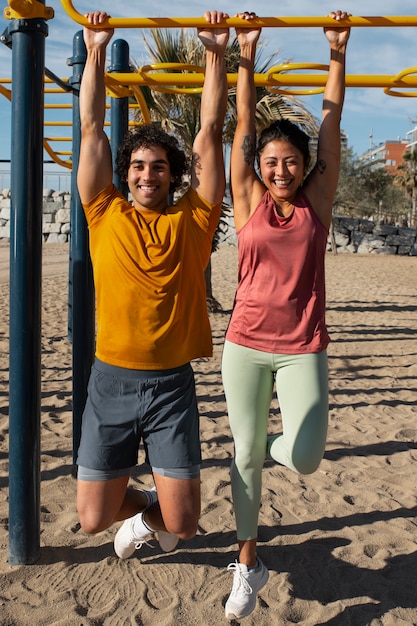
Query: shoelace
<point x="239" y="579"/>
<point x="140" y="543"/>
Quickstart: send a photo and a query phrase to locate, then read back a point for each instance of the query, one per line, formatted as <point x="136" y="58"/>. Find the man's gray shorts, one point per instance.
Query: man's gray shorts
<point x="125" y="407"/>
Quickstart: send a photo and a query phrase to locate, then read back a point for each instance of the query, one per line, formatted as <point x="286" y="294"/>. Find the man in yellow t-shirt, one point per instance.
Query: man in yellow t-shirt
<point x="148" y="260"/>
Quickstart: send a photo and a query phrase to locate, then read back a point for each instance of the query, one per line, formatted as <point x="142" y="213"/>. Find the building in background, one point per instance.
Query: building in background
<point x="412" y="141"/>
<point x="388" y="154"/>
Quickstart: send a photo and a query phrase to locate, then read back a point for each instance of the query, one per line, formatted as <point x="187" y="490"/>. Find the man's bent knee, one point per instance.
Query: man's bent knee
<point x="98" y="503"/>
<point x="185" y="529"/>
<point x="93" y="523"/>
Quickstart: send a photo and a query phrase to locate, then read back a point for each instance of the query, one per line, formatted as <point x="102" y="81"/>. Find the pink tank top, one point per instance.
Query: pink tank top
<point x="280" y="299"/>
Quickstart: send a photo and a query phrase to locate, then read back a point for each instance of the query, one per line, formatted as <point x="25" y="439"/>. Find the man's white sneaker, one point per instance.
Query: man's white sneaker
<point x="246" y="584"/>
<point x="127" y="540"/>
<point x="167" y="541"/>
<point x="133" y="533"/>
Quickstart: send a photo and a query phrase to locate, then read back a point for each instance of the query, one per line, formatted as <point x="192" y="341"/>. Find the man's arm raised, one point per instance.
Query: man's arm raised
<point x="95" y="170"/>
<point x="208" y="175"/>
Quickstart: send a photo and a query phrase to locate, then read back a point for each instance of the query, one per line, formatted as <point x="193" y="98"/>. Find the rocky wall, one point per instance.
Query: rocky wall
<point x="349" y="235"/>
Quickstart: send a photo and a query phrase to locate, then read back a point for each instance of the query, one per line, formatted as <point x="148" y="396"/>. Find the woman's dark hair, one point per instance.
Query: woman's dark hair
<point x="147" y="136"/>
<point x="285" y="130"/>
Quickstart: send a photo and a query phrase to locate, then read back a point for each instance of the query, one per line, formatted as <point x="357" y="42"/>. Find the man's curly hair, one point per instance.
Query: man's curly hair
<point x="147" y="136"/>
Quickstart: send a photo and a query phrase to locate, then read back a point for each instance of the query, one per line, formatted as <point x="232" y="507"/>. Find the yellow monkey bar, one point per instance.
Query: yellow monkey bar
<point x="199" y="22"/>
<point x="277" y="78"/>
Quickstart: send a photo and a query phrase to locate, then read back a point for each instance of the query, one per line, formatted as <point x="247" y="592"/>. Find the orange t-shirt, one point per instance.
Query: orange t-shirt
<point x="149" y="280"/>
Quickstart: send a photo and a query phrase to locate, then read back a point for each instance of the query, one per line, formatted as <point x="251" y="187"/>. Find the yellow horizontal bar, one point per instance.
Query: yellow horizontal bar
<point x="58" y="106"/>
<point x="261" y="80"/>
<point x="63" y="106"/>
<point x="57" y="123"/>
<point x="58" y="138"/>
<point x="188" y="22"/>
<point x="126" y="84"/>
<point x="67" y="124"/>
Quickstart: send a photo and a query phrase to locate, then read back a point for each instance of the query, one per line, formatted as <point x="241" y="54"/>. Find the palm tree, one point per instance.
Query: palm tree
<point x="179" y="113"/>
<point x="407" y="180"/>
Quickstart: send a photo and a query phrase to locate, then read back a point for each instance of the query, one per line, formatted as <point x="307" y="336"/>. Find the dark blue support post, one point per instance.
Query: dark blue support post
<point x="119" y="110"/>
<point x="82" y="301"/>
<point x="28" y="62"/>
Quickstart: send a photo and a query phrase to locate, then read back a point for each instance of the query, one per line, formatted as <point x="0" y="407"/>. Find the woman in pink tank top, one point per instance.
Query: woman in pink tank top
<point x="277" y="332"/>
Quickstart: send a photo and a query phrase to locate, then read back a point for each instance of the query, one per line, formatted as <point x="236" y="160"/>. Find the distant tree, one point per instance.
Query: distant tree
<point x="348" y="199"/>
<point x="379" y="187"/>
<point x="365" y="192"/>
<point x="178" y="110"/>
<point x="406" y="179"/>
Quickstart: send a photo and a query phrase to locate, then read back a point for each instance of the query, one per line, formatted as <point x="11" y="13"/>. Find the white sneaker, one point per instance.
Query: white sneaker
<point x="246" y="585"/>
<point x="167" y="541"/>
<point x="126" y="540"/>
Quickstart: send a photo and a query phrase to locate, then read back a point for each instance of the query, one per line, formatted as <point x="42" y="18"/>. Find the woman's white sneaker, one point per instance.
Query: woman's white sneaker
<point x="246" y="584"/>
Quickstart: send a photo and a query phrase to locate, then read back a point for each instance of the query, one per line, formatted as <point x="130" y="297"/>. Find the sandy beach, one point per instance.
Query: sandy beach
<point x="340" y="545"/>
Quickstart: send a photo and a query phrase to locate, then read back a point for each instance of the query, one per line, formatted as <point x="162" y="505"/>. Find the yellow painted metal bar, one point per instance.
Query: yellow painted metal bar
<point x="279" y="78"/>
<point x="281" y="22"/>
<point x="58" y="106"/>
<point x="407" y="73"/>
<point x="54" y="156"/>
<point x="7" y="93"/>
<point x="27" y="9"/>
<point x="126" y="84"/>
<point x="69" y="124"/>
<point x="58" y="138"/>
<point x="142" y="104"/>
<point x="63" y="106"/>
<point x="145" y="70"/>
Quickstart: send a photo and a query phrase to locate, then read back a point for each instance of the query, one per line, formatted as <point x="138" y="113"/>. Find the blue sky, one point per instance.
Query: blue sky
<point x="375" y="50"/>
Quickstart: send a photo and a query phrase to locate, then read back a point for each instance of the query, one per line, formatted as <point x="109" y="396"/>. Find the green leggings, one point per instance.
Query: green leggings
<point x="302" y="391"/>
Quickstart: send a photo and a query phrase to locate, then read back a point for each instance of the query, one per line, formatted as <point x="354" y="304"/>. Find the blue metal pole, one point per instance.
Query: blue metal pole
<point x="81" y="277"/>
<point x="119" y="108"/>
<point x="28" y="62"/>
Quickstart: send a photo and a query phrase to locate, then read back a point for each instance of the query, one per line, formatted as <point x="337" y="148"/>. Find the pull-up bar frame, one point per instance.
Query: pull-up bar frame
<point x="28" y="33"/>
<point x="275" y="22"/>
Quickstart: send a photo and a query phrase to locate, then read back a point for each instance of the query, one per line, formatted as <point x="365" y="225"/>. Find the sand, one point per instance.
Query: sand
<point x="340" y="545"/>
